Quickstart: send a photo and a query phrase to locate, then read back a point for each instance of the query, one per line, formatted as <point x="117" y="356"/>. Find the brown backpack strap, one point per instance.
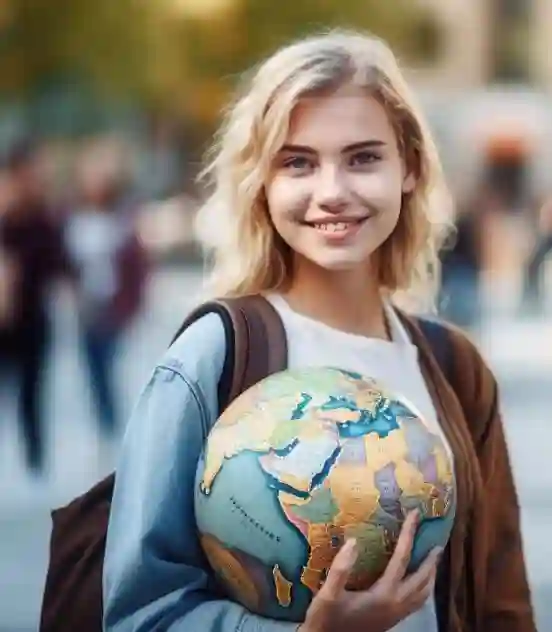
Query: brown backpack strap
<point x="256" y="343"/>
<point x="260" y="343"/>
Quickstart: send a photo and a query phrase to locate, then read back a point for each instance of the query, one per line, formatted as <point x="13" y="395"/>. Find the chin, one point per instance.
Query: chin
<point x="340" y="264"/>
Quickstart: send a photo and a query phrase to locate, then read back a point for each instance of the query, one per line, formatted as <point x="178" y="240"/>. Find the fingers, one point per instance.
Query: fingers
<point x="341" y="567"/>
<point x="396" y="569"/>
<point x="420" y="584"/>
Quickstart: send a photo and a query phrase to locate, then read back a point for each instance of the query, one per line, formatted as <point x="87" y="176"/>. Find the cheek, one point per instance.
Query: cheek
<point x="287" y="199"/>
<point x="382" y="190"/>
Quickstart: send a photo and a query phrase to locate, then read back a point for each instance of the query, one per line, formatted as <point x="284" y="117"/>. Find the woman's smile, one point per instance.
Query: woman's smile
<point x="338" y="229"/>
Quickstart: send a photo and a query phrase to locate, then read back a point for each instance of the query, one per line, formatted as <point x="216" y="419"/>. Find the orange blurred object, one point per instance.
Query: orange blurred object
<point x="508" y="146"/>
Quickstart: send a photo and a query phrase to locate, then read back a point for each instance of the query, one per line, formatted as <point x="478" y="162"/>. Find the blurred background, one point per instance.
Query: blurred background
<point x="105" y="111"/>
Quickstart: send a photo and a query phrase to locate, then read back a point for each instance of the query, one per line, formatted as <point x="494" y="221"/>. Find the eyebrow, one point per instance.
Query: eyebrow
<point x="304" y="149"/>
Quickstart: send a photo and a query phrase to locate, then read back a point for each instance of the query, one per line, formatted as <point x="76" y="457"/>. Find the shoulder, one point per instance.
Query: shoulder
<point x="199" y="350"/>
<point x="474" y="379"/>
<point x="464" y="357"/>
<point x="466" y="352"/>
<point x="184" y="379"/>
<point x="465" y="369"/>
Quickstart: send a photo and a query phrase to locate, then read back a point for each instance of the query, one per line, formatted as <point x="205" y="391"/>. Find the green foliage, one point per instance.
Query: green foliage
<point x="217" y="51"/>
<point x="155" y="54"/>
<point x="101" y="41"/>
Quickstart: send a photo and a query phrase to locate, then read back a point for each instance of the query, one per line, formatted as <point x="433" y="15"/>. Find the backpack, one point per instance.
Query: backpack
<point x="256" y="347"/>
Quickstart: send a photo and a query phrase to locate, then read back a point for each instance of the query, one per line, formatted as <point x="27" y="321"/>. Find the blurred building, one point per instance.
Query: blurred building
<point x="461" y="60"/>
<point x="488" y="94"/>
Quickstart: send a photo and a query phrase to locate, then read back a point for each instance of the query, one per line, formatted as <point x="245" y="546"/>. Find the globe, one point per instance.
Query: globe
<point x="303" y="461"/>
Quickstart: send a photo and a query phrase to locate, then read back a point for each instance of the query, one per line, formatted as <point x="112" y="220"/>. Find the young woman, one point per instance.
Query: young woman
<point x="328" y="199"/>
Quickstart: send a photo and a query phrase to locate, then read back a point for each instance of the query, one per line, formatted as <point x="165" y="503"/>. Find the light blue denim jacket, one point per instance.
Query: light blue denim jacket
<point x="154" y="573"/>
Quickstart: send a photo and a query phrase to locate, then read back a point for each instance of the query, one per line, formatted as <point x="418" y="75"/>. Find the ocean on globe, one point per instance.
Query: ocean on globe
<point x="303" y="461"/>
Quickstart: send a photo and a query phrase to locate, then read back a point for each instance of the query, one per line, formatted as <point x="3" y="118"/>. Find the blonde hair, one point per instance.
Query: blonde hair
<point x="246" y="254"/>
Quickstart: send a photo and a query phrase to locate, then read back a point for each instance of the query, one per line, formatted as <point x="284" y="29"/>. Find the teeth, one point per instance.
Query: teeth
<point x="332" y="228"/>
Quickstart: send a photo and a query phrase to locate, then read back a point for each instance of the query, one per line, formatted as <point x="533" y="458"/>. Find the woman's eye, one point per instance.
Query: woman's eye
<point x="296" y="162"/>
<point x="364" y="158"/>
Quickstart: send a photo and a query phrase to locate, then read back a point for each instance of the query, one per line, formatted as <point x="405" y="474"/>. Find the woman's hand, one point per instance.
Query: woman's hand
<point x="391" y="599"/>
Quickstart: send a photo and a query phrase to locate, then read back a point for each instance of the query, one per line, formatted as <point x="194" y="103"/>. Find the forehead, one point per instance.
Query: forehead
<point x="344" y="117"/>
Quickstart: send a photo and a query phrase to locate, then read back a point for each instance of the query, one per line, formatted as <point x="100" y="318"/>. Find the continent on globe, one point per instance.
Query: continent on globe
<point x="258" y="428"/>
<point x="233" y="572"/>
<point x="283" y="587"/>
<point x="300" y="463"/>
<point x="300" y="468"/>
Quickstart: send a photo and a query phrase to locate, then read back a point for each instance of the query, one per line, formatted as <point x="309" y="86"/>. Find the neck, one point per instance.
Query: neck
<point x="349" y="300"/>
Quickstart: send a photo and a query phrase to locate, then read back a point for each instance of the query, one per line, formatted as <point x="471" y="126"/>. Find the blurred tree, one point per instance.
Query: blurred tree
<point x="45" y="41"/>
<point x="174" y="56"/>
<point x="218" y="47"/>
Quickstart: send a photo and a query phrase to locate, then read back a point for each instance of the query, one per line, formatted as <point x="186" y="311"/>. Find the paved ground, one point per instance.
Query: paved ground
<point x="521" y="352"/>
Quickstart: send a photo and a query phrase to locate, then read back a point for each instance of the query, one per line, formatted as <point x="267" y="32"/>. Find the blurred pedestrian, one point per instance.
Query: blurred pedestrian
<point x="532" y="291"/>
<point x="110" y="265"/>
<point x="462" y="262"/>
<point x="32" y="257"/>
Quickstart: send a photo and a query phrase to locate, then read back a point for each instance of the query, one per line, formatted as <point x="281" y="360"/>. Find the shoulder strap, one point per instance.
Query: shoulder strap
<point x="256" y="343"/>
<point x="439" y="339"/>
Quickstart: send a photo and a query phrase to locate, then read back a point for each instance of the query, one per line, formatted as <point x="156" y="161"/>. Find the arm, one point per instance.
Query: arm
<point x="8" y="289"/>
<point x="507" y="606"/>
<point x="57" y="259"/>
<point x="155" y="576"/>
<point x="133" y="269"/>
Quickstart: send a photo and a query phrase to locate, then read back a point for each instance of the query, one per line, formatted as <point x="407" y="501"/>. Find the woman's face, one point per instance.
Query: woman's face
<point x="335" y="190"/>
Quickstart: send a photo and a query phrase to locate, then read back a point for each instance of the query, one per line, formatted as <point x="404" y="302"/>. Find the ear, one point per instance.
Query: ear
<point x="409" y="182"/>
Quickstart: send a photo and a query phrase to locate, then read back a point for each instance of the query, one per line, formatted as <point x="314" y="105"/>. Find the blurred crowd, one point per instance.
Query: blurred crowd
<point x="100" y="234"/>
<point x="88" y="240"/>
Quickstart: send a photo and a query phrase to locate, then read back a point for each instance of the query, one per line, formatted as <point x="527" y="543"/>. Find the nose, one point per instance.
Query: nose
<point x="331" y="190"/>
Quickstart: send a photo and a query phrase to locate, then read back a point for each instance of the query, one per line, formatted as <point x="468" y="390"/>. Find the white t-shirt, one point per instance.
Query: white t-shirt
<point x="93" y="240"/>
<point x="394" y="363"/>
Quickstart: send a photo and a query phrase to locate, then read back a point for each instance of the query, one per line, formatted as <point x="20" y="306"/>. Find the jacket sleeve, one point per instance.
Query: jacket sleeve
<point x="155" y="577"/>
<point x="508" y="606"/>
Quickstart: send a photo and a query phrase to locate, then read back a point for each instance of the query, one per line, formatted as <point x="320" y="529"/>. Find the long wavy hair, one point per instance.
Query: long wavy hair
<point x="243" y="250"/>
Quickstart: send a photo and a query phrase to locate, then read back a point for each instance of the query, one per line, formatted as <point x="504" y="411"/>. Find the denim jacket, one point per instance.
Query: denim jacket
<point x="155" y="577"/>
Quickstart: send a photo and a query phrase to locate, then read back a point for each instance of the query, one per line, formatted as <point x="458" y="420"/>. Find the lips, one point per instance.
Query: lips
<point x="338" y="228"/>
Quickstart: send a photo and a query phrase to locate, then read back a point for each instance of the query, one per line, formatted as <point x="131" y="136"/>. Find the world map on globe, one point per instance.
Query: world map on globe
<point x="303" y="461"/>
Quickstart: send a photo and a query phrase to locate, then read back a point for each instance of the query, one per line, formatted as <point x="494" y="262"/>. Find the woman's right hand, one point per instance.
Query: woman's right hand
<point x="391" y="599"/>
